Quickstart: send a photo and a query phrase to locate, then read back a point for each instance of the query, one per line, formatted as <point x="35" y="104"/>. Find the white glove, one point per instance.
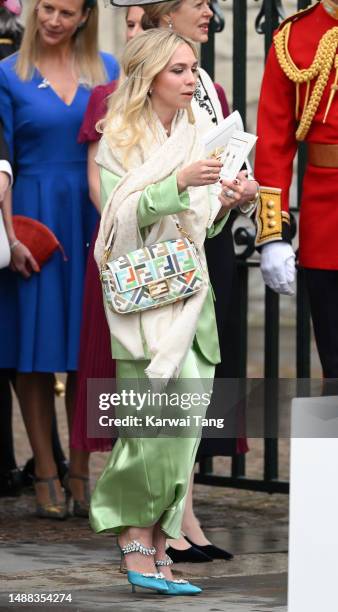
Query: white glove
<point x="278" y="267"/>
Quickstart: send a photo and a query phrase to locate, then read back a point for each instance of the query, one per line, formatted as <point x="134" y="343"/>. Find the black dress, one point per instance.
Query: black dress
<point x="222" y="267"/>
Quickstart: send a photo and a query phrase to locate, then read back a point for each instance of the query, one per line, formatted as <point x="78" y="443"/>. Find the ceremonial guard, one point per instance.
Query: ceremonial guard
<point x="299" y="102"/>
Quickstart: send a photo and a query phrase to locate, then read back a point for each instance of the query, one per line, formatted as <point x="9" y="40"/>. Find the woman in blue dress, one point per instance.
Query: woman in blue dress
<point x="44" y="90"/>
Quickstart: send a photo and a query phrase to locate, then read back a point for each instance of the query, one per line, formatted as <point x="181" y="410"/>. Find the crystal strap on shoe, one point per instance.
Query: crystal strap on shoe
<point x="158" y="576"/>
<point x="135" y="546"/>
<point x="164" y="562"/>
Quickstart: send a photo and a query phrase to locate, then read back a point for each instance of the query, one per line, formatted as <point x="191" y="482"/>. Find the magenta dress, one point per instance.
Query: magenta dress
<point x="95" y="353"/>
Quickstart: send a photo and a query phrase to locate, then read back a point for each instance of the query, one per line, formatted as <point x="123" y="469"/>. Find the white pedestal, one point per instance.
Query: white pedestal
<point x="313" y="539"/>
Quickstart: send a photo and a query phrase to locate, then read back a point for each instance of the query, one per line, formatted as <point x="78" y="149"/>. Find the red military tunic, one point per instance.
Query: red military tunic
<point x="277" y="144"/>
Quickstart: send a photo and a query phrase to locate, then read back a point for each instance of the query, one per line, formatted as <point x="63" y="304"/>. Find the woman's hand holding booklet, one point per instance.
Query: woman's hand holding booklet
<point x="229" y="144"/>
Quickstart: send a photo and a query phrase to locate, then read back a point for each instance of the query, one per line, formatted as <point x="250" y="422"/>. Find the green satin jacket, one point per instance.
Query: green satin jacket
<point x="156" y="201"/>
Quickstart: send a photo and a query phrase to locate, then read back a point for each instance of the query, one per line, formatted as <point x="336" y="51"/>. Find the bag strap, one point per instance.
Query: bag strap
<point x="184" y="233"/>
<point x="108" y="248"/>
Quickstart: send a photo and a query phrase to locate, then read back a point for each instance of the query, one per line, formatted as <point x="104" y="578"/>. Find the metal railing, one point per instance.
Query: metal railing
<point x="269" y="15"/>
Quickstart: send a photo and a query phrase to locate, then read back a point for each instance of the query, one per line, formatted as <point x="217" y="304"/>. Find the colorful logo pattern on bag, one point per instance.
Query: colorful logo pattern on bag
<point x="150" y="277"/>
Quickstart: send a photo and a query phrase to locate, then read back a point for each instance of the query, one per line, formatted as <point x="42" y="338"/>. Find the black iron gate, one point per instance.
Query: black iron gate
<point x="269" y="14"/>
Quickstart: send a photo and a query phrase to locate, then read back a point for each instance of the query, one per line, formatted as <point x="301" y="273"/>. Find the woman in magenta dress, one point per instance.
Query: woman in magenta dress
<point x="95" y="354"/>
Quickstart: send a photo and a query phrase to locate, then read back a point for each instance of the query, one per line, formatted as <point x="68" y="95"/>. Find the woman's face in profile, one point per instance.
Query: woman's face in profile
<point x="133" y="21"/>
<point x="174" y="87"/>
<point x="192" y="19"/>
<point x="58" y="20"/>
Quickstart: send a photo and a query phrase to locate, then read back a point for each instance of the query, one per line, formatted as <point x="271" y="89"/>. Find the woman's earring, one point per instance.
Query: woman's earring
<point x="170" y="25"/>
<point x="150" y="91"/>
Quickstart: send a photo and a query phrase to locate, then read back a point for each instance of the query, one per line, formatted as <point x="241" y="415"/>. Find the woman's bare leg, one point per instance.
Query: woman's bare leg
<point x="190" y="524"/>
<point x="78" y="460"/>
<point x="35" y="391"/>
<point x="136" y="561"/>
<point x="159" y="540"/>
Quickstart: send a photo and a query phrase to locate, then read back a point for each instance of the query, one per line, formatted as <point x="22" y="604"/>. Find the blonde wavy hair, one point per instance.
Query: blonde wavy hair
<point x="90" y="67"/>
<point x="130" y="109"/>
<point x="153" y="13"/>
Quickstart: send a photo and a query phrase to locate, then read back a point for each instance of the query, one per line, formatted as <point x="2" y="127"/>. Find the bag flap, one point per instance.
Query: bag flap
<point x="153" y="263"/>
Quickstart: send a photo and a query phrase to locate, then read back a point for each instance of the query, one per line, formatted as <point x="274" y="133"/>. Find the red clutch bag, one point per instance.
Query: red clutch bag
<point x="37" y="237"/>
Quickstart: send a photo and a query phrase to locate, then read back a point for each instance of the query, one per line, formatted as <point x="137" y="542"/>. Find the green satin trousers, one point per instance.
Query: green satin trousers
<point x="146" y="479"/>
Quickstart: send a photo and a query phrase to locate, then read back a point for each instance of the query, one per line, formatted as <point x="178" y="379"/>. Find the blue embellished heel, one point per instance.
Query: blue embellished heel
<point x="182" y="587"/>
<point x="156" y="582"/>
<point x="177" y="587"/>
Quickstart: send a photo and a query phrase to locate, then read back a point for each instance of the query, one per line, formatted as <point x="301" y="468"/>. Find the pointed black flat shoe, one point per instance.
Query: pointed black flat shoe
<point x="189" y="555"/>
<point x="10" y="483"/>
<point x="211" y="551"/>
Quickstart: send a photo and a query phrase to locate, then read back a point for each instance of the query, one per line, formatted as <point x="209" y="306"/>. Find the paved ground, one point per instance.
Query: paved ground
<point x="43" y="556"/>
<point x="252" y="594"/>
<point x="88" y="571"/>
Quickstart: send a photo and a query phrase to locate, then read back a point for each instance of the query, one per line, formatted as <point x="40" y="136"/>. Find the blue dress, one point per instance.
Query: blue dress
<point x="40" y="318"/>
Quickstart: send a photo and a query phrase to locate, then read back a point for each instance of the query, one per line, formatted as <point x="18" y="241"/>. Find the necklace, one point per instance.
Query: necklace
<point x="44" y="84"/>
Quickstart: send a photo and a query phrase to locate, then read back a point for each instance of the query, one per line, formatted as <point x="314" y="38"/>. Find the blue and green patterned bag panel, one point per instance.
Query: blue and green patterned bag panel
<point x="125" y="280"/>
<point x="150" y="264"/>
<point x="181" y="286"/>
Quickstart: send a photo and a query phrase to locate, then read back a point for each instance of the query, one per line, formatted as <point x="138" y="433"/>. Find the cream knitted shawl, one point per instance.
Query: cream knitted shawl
<point x="168" y="331"/>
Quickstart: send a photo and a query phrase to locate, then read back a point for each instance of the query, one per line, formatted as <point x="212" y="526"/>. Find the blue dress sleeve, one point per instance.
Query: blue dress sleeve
<point x="6" y="112"/>
<point x="111" y="65"/>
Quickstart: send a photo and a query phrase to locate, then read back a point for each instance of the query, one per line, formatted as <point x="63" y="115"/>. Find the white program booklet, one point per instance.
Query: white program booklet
<point x="235" y="153"/>
<point x="231" y="145"/>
